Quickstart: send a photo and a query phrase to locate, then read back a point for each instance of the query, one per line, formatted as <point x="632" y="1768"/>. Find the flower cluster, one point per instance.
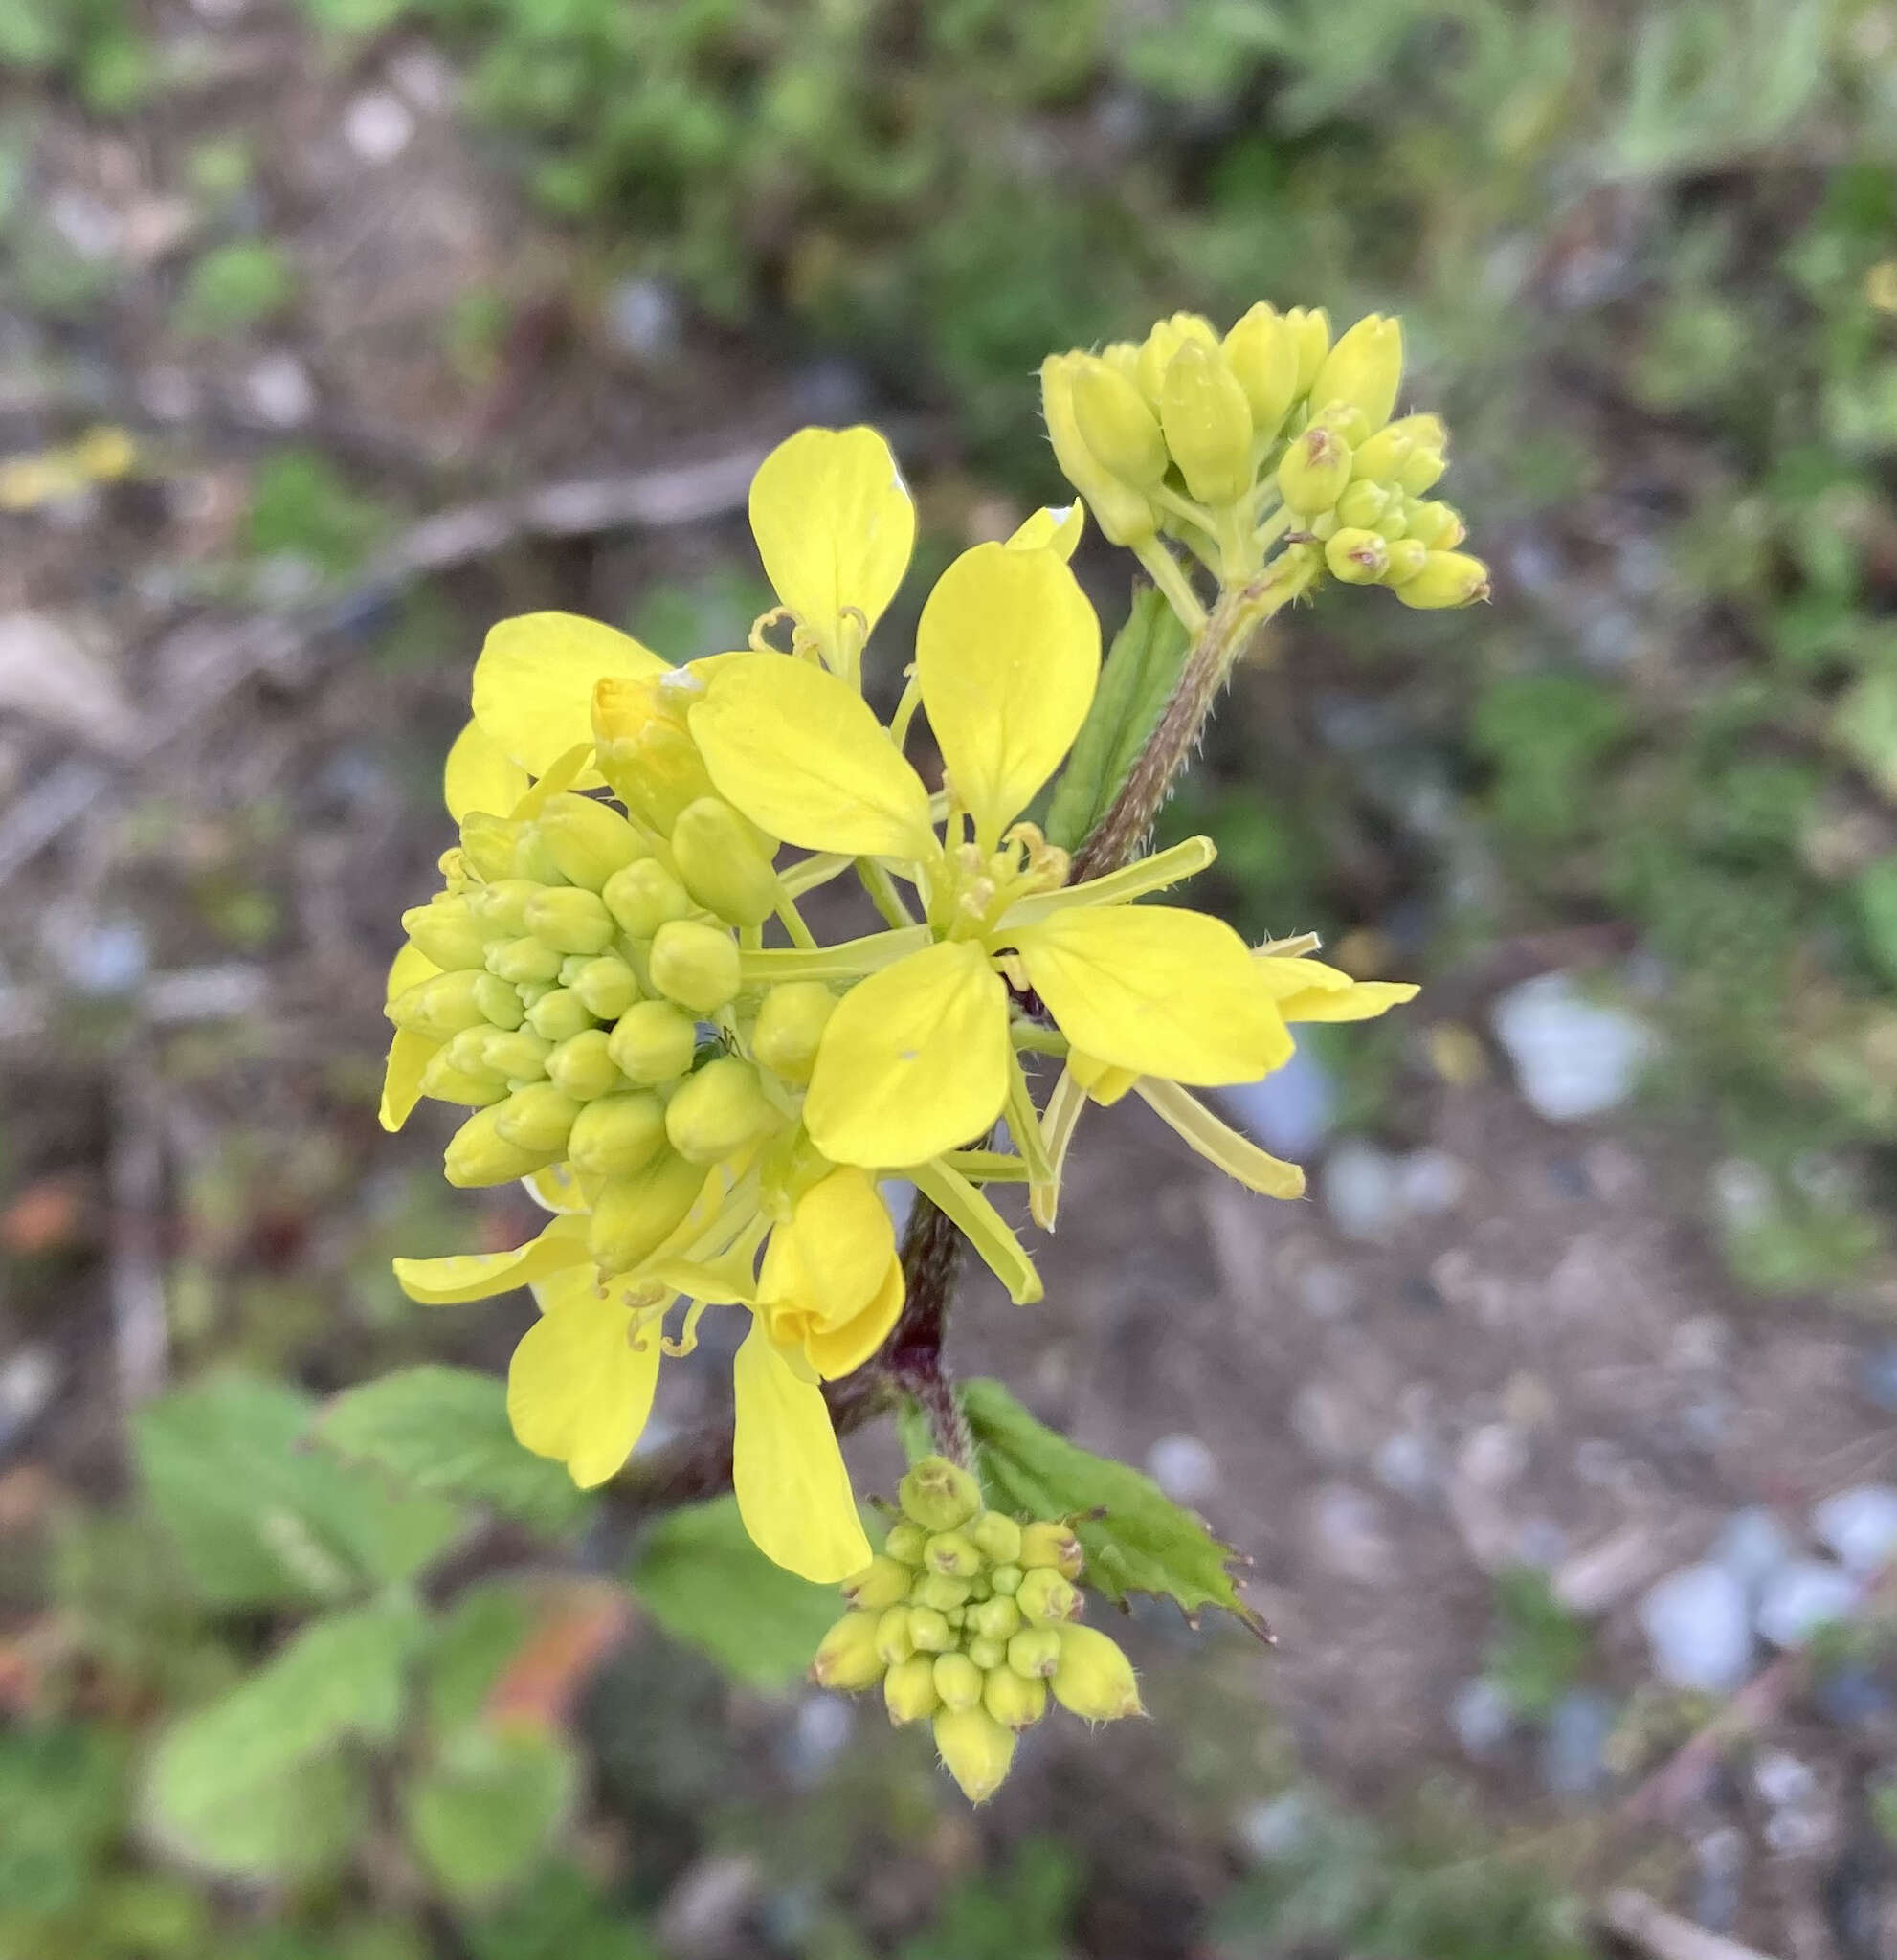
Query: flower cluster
<point x="968" y="1618"/>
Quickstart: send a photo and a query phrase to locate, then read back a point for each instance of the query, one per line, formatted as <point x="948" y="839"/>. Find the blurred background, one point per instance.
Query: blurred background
<point x="332" y="331"/>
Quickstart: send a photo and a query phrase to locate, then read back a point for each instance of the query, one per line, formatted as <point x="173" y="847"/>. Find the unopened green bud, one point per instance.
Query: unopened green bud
<point x="616" y="1135"/>
<point x="1117" y="426"/>
<point x="929" y="1631"/>
<point x="976" y="1750"/>
<point x="997" y="1537"/>
<point x="957" y="1680"/>
<point x="1123" y="512"/>
<point x="1156" y="351"/>
<point x="1034" y="1652"/>
<point x="1124" y="358"/>
<point x="1016" y="1700"/>
<point x="987" y="1651"/>
<point x="643" y="896"/>
<point x="789" y="1025"/>
<point x="517" y="1055"/>
<point x="447" y="932"/>
<point x="606" y="984"/>
<point x="1429" y="453"/>
<point x="1208" y="424"/>
<point x="1315" y="470"/>
<point x="1357" y="557"/>
<point x="522" y="959"/>
<point x="1362" y="503"/>
<point x="846" y="1657"/>
<point x="1261" y="351"/>
<point x="893" y="1640"/>
<point x="1439" y="527"/>
<point x="487" y="844"/>
<point x="500" y="908"/>
<point x="909" y="1689"/>
<point x="996" y="1618"/>
<point x="1381" y="456"/>
<point x="447" y="1084"/>
<point x="1422" y="472"/>
<point x="537" y="1118"/>
<point x="478" y="1154"/>
<point x="656" y="769"/>
<point x="1407" y="557"/>
<point x="1447" y="578"/>
<point x="1048" y="1542"/>
<point x="724" y="863"/>
<point x="1395" y="523"/>
<point x="1005" y="1580"/>
<point x="695" y="964"/>
<point x="952" y="1554"/>
<point x="939" y="1495"/>
<point x="439" y="1007"/>
<point x="653" y="1042"/>
<point x="570" y="919"/>
<point x="1310" y="331"/>
<point x="558" y="1015"/>
<point x="532" y="859"/>
<point x="942" y="1591"/>
<point x="634" y="1216"/>
<point x="905" y="1542"/>
<point x="957" y="1616"/>
<point x="1364" y="369"/>
<point x="881" y="1583"/>
<point x="582" y="1066"/>
<point x="586" y="840"/>
<point x="1045" y="1598"/>
<point x="1094" y="1679"/>
<point x="719" y="1110"/>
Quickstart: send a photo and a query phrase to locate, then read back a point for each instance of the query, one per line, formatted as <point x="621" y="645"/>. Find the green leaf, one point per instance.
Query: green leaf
<point x="1136" y="680"/>
<point x="257" y="1783"/>
<point x="444" y="1431"/>
<point x="558" y="1915"/>
<point x="482" y="1815"/>
<point x="261" y="1520"/>
<point x="705" y="1583"/>
<point x="1538" y="1648"/>
<point x="1139" y="1542"/>
<point x="60" y="1814"/>
<point x="490" y="1624"/>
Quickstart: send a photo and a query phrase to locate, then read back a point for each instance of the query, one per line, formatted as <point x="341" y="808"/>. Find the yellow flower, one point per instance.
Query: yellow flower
<point x="918" y="1057"/>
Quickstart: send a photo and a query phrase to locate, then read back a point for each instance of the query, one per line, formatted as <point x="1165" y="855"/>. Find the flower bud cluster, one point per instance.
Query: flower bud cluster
<point x="1268" y="432"/>
<point x="968" y="1619"/>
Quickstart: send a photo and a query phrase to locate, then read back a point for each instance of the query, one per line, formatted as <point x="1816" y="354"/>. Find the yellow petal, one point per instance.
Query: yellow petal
<point x="409" y="1055"/>
<point x="1057" y="1123"/>
<point x="533" y="683"/>
<point x="802" y="754"/>
<point x="410" y="967"/>
<point x="477" y="1274"/>
<point x="845" y="1239"/>
<point x="1058" y="527"/>
<point x="556" y="1188"/>
<point x="1363" y="1000"/>
<point x="1104" y="1083"/>
<point x="1235" y="1155"/>
<point x="834" y="525"/>
<point x="839" y="1351"/>
<point x="1158" y="990"/>
<point x="578" y="1389"/>
<point x="793" y="1492"/>
<point x="914" y="1060"/>
<point x="981" y="1225"/>
<point x="479" y="775"/>
<point x="1285" y="977"/>
<point x="1008" y="656"/>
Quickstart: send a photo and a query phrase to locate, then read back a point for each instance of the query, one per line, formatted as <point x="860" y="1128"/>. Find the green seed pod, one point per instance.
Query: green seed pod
<point x="654" y="1043"/>
<point x="882" y="1583"/>
<point x="1034" y="1652"/>
<point x="939" y="1495"/>
<point x="634" y="1216"/>
<point x="997" y="1619"/>
<point x="695" y="964"/>
<point x="1357" y="557"/>
<point x="516" y="960"/>
<point x="1016" y="1700"/>
<point x="446" y="931"/>
<point x="908" y="1690"/>
<point x="976" y="1750"/>
<point x="478" y="1154"/>
<point x="1447" y="578"/>
<point x="538" y="1118"/>
<point x="1208" y="424"/>
<point x="1380" y="458"/>
<point x="724" y="863"/>
<point x="1310" y="331"/>
<point x="1094" y="1679"/>
<point x="500" y="908"/>
<point x="997" y="1537"/>
<point x="719" y="1110"/>
<point x="1315" y="470"/>
<point x="1045" y="1598"/>
<point x="487" y="844"/>
<point x="517" y="1055"/>
<point x="893" y="1640"/>
<point x="588" y="840"/>
<point x="1051" y="1542"/>
<point x="1362" y="503"/>
<point x="447" y="1084"/>
<point x="957" y="1680"/>
<point x="1005" y="1580"/>
<point x="905" y="1542"/>
<point x="789" y="1025"/>
<point x="570" y="919"/>
<point x="643" y="896"/>
<point x="1437" y="526"/>
<point x="846" y="1657"/>
<point x="986" y="1652"/>
<point x="558" y="1015"/>
<point x="1364" y="369"/>
<point x="951" y="1554"/>
<point x="1407" y="557"/>
<point x="1117" y="426"/>
<point x="1261" y="351"/>
<point x="1124" y="515"/>
<point x="606" y="984"/>
<point x="942" y="1591"/>
<point x="616" y="1136"/>
<point x="929" y="1631"/>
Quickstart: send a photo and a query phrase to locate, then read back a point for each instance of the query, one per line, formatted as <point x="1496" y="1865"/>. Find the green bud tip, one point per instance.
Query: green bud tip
<point x="893" y="1638"/>
<point x="558" y="1015"/>
<point x="653" y="1042"/>
<point x="997" y="1537"/>
<point x="1357" y="557"/>
<point x="570" y="919"/>
<point x="719" y="1110"/>
<point x="1005" y="1579"/>
<point x="975" y="1750"/>
<point x="1045" y="1598"/>
<point x="952" y="1554"/>
<point x="942" y="1591"/>
<point x="882" y="1583"/>
<point x="724" y="863"/>
<point x="939" y="1495"/>
<point x="1016" y="1700"/>
<point x="615" y="1136"/>
<point x="987" y="1651"/>
<point x="643" y="896"/>
<point x="582" y="1066"/>
<point x="929" y="1631"/>
<point x="997" y="1619"/>
<point x="1407" y="558"/>
<point x="1094" y="1678"/>
<point x="905" y="1542"/>
<point x="1315" y="471"/>
<point x="789" y="1025"/>
<point x="1034" y="1652"/>
<point x="695" y="964"/>
<point x="1447" y="578"/>
<point x="1117" y="426"/>
<point x="1052" y="1543"/>
<point x="847" y="1657"/>
<point x="958" y="1680"/>
<point x="909" y="1689"/>
<point x="1364" y="369"/>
